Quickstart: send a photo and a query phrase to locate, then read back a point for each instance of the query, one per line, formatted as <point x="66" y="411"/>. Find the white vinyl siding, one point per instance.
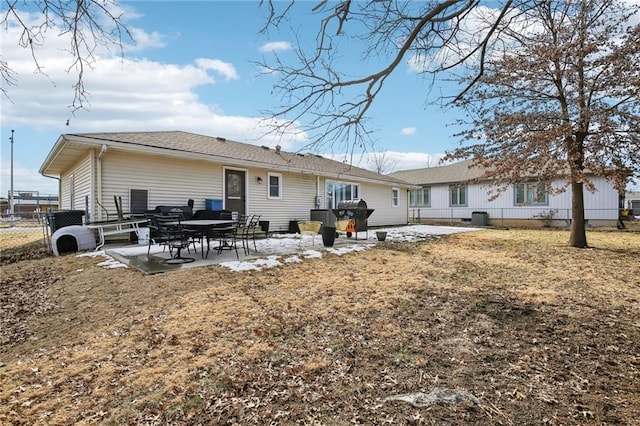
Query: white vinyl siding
<point x="601" y="204"/>
<point x="78" y="178"/>
<point x="298" y="198"/>
<point x="168" y="181"/>
<point x="377" y="198"/>
<point x="173" y="181"/>
<point x="274" y="186"/>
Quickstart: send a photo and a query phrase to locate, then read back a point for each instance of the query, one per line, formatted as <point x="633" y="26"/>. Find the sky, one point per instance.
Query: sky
<point x="193" y="68"/>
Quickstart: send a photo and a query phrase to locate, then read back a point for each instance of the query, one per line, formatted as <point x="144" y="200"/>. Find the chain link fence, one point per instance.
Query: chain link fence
<point x="17" y="231"/>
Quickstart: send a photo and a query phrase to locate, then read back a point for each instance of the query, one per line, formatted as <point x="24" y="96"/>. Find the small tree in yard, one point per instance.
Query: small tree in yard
<point x="561" y="98"/>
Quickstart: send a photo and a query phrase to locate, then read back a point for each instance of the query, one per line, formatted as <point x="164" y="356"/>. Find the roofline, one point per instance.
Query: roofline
<point x="146" y="149"/>
<point x="55" y="150"/>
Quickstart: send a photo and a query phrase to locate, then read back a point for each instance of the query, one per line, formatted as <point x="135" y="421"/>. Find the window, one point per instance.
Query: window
<point x="138" y="200"/>
<point x="339" y="191"/>
<point x="531" y="193"/>
<point x="274" y="185"/>
<point x="458" y="195"/>
<point x="420" y="197"/>
<point x="395" y="197"/>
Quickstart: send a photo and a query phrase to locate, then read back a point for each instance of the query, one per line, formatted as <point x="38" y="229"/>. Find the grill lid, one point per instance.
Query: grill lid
<point x="352" y="204"/>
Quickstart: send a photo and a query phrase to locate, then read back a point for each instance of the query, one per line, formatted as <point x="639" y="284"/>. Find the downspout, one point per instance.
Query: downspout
<point x="59" y="188"/>
<point x="99" y="179"/>
<point x="318" y="193"/>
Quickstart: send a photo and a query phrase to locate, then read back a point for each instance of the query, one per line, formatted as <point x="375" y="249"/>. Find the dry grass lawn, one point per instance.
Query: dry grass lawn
<point x="538" y="332"/>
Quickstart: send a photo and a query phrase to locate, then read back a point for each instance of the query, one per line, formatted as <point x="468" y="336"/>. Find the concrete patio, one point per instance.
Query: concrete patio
<point x="271" y="251"/>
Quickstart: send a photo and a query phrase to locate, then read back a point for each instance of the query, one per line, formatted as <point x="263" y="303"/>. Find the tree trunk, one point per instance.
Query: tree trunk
<point x="578" y="236"/>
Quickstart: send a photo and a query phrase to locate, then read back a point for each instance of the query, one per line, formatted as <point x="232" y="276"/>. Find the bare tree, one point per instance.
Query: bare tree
<point x="332" y="104"/>
<point x="381" y="162"/>
<point x="561" y="99"/>
<point x="87" y="23"/>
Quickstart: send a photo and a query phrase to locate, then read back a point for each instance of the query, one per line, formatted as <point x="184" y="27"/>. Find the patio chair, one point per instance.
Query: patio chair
<point x="173" y="235"/>
<point x="228" y="237"/>
<point x="310" y="227"/>
<point x="249" y="233"/>
<point x="155" y="236"/>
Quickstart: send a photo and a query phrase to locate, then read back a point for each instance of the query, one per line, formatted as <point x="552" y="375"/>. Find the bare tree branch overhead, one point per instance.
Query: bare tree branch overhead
<point x="331" y="103"/>
<point x="88" y="24"/>
<point x="550" y="87"/>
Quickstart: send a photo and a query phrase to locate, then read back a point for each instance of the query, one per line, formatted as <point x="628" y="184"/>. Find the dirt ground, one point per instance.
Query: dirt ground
<point x="533" y="331"/>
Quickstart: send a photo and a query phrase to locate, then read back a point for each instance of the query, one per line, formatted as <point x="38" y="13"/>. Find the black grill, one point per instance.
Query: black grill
<point x="355" y="210"/>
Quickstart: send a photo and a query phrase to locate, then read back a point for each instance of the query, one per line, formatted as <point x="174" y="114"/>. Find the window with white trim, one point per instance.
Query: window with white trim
<point x="531" y="193"/>
<point x="340" y="191"/>
<point x="395" y="197"/>
<point x="457" y="195"/>
<point x="420" y="197"/>
<point x="274" y="185"/>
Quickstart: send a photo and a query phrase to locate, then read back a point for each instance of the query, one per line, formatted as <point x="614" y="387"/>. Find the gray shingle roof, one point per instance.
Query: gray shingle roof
<point x="452" y="173"/>
<point x="224" y="150"/>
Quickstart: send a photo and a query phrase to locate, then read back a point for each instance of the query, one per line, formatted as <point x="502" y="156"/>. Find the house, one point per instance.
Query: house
<point x="148" y="169"/>
<point x="28" y="203"/>
<point x="632" y="202"/>
<point x="444" y="195"/>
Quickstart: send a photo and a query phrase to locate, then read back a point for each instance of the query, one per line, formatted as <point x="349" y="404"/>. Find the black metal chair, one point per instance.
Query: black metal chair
<point x="171" y="232"/>
<point x="228" y="237"/>
<point x="249" y="233"/>
<point x="155" y="236"/>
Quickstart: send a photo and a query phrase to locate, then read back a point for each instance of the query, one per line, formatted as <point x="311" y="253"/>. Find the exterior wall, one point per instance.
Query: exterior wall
<point x="168" y="182"/>
<point x="632" y="202"/>
<point x="80" y="174"/>
<point x="601" y="207"/>
<point x="378" y="197"/>
<point x="298" y="198"/>
<point x="299" y="193"/>
<point x="173" y="182"/>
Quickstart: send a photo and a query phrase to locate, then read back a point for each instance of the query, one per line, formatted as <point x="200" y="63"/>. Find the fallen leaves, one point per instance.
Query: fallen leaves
<point x="325" y="341"/>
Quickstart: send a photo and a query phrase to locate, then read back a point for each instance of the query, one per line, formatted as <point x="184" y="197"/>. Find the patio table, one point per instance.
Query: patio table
<point x="206" y="227"/>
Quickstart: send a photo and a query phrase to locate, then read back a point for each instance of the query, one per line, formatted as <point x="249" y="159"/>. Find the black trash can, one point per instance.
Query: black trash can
<point x="61" y="218"/>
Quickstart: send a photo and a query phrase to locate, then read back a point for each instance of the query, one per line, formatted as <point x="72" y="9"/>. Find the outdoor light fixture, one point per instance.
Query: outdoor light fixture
<point x="259" y="179"/>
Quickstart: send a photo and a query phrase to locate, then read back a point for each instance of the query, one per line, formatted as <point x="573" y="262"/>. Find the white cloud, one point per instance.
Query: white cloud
<point x="224" y="68"/>
<point x="471" y="31"/>
<point x="24" y="179"/>
<point x="144" y="40"/>
<point x="124" y="94"/>
<point x="399" y="160"/>
<point x="408" y="131"/>
<point x="276" y="46"/>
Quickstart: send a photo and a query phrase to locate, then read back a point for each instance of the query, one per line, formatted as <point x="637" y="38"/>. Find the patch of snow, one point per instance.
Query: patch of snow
<point x="297" y="247"/>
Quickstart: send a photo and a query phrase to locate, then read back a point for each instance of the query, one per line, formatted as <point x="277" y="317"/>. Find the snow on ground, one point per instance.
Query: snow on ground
<point x="288" y="248"/>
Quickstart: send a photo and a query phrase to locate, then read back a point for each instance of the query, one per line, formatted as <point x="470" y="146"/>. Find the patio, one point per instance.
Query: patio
<point x="273" y="251"/>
